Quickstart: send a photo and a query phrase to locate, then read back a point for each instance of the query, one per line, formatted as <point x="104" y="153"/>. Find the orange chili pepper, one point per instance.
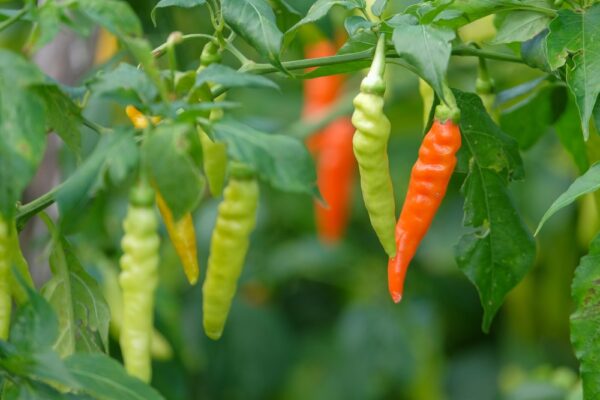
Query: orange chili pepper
<point x="427" y="187"/>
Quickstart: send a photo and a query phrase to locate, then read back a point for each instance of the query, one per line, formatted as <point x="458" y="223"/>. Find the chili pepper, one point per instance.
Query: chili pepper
<point x="332" y="148"/>
<point x="183" y="237"/>
<point x="182" y="232"/>
<point x="370" y="149"/>
<point x="322" y="91"/>
<point x="426" y="189"/>
<point x="5" y="292"/>
<point x="335" y="175"/>
<point x="138" y="119"/>
<point x="106" y="46"/>
<point x="160" y="349"/>
<point x="214" y="160"/>
<point x="138" y="280"/>
<point x="230" y="239"/>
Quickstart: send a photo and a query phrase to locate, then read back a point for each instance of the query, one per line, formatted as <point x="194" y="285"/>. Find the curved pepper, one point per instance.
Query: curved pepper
<point x="427" y="187"/>
<point x="230" y="239"/>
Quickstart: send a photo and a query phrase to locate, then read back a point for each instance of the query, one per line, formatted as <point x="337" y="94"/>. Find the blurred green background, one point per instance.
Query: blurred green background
<point x="315" y="322"/>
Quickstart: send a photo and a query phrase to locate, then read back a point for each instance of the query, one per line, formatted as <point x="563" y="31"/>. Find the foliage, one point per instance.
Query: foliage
<point x="301" y="300"/>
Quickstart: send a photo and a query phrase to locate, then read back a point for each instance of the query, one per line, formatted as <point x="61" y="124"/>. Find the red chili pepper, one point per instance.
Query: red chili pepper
<point x="428" y="183"/>
<point x="332" y="148"/>
<point x="321" y="92"/>
<point x="335" y="174"/>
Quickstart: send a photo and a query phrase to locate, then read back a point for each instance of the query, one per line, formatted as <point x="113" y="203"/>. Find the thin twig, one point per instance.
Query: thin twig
<point x="15" y="18"/>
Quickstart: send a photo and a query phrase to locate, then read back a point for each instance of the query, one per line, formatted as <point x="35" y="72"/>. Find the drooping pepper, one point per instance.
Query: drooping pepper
<point x="138" y="280"/>
<point x="160" y="349"/>
<point x="182" y="232"/>
<point x="370" y="148"/>
<point x="214" y="160"/>
<point x="332" y="149"/>
<point x="427" y="187"/>
<point x="230" y="239"/>
<point x="183" y="236"/>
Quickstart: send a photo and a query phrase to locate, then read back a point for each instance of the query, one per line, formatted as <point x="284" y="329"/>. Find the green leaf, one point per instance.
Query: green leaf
<point x="518" y="91"/>
<point x="141" y="50"/>
<point x="115" y="15"/>
<point x="568" y="130"/>
<point x="519" y="26"/>
<point x="586" y="318"/>
<point x="355" y="23"/>
<point x="498" y="254"/>
<point x="174" y="3"/>
<point x="83" y="314"/>
<point x="378" y="7"/>
<point x="32" y="390"/>
<point x="172" y="169"/>
<point x="281" y="161"/>
<point x="426" y="48"/>
<point x="427" y="11"/>
<point x="576" y="34"/>
<point x="465" y="11"/>
<point x="528" y="120"/>
<point x="46" y="366"/>
<point x="63" y="116"/>
<point x="321" y="7"/>
<point x="255" y="21"/>
<point x="48" y="16"/>
<point x="105" y="379"/>
<point x="115" y="156"/>
<point x="228" y="77"/>
<point x="586" y="183"/>
<point x="488" y="146"/>
<point x="125" y="84"/>
<point x="22" y="127"/>
<point x="35" y="327"/>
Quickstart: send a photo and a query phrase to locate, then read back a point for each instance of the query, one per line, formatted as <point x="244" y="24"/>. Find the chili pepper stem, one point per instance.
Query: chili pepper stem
<point x="448" y="108"/>
<point x="373" y="82"/>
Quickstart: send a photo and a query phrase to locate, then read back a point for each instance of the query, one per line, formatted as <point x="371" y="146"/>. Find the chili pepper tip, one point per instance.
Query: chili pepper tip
<point x="397" y="297"/>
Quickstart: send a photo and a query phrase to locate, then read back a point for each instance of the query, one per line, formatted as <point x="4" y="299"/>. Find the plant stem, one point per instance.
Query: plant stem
<point x="264" y="68"/>
<point x="161" y="50"/>
<point x="238" y="54"/>
<point x="94" y="126"/>
<point x="492" y="55"/>
<point x="542" y="10"/>
<point x="26" y="211"/>
<point x="15" y="18"/>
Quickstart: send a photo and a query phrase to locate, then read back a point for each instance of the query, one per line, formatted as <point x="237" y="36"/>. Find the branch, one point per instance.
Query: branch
<point x="367" y="55"/>
<point x="26" y="211"/>
<point x="264" y="68"/>
<point x="15" y="18"/>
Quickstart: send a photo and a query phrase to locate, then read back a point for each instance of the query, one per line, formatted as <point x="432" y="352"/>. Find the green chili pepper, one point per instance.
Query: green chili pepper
<point x="5" y="293"/>
<point x="229" y="244"/>
<point x="370" y="148"/>
<point x="138" y="280"/>
<point x="214" y="153"/>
